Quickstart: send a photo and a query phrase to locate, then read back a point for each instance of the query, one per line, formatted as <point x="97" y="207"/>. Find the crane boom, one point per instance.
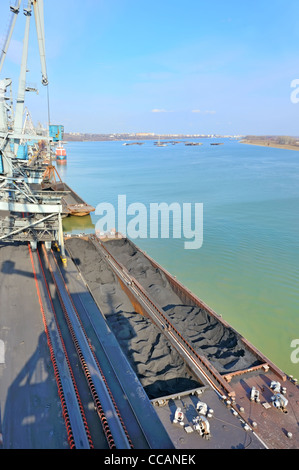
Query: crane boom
<point x="22" y="78"/>
<point x="39" y="20"/>
<point x="15" y="10"/>
<point x="38" y="6"/>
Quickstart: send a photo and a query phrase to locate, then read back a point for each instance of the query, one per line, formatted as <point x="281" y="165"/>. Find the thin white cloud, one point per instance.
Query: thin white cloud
<point x="159" y="111"/>
<point x="203" y="112"/>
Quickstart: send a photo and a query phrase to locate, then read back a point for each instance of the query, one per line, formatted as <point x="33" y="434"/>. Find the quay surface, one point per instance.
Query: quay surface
<point x="30" y="409"/>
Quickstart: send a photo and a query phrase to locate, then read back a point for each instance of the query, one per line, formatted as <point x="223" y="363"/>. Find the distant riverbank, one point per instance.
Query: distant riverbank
<point x="270" y="143"/>
<point x="79" y="137"/>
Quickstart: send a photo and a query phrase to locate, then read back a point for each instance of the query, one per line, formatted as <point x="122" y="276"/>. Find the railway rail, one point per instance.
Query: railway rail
<point x="45" y="267"/>
<point x="73" y="413"/>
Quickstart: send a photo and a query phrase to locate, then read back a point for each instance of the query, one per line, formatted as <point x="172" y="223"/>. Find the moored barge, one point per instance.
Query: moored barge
<point x="249" y="384"/>
<point x="72" y="203"/>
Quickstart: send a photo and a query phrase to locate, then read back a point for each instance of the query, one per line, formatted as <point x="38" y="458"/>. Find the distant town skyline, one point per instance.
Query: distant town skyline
<point x="163" y="67"/>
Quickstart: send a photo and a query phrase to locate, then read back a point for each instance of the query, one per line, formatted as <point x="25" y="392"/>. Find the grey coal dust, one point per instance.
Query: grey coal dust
<point x="158" y="366"/>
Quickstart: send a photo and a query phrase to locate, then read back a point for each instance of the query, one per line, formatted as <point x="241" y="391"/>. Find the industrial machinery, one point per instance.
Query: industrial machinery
<point x="178" y="417"/>
<point x="202" y="426"/>
<point x="27" y="213"/>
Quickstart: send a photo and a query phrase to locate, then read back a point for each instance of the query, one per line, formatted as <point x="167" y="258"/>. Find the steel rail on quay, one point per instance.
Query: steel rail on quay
<point x="278" y="428"/>
<point x="45" y="264"/>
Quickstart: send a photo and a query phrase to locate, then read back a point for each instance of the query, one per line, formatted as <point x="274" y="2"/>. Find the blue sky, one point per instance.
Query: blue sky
<point x="167" y="66"/>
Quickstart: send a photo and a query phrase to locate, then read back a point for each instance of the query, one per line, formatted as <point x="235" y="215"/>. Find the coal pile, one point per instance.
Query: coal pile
<point x="208" y="336"/>
<point x="158" y="366"/>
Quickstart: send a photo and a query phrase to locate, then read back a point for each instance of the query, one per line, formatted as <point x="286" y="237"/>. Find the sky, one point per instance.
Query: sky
<point x="192" y="67"/>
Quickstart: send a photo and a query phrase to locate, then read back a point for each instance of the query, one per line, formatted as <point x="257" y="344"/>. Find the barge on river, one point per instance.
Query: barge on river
<point x="72" y="203"/>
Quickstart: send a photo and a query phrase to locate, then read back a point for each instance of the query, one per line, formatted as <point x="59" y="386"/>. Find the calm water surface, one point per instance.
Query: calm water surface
<point x="248" y="266"/>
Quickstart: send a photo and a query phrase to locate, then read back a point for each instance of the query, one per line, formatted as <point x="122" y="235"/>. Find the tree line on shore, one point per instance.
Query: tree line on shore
<point x="274" y="139"/>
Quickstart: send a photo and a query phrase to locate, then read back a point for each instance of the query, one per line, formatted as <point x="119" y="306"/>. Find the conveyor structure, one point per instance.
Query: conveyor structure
<point x="28" y="215"/>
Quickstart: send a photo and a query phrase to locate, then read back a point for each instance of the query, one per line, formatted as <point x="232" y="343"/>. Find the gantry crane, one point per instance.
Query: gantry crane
<point x="29" y="215"/>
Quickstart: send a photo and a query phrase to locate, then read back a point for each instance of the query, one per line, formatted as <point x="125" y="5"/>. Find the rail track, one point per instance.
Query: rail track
<point x="48" y="277"/>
